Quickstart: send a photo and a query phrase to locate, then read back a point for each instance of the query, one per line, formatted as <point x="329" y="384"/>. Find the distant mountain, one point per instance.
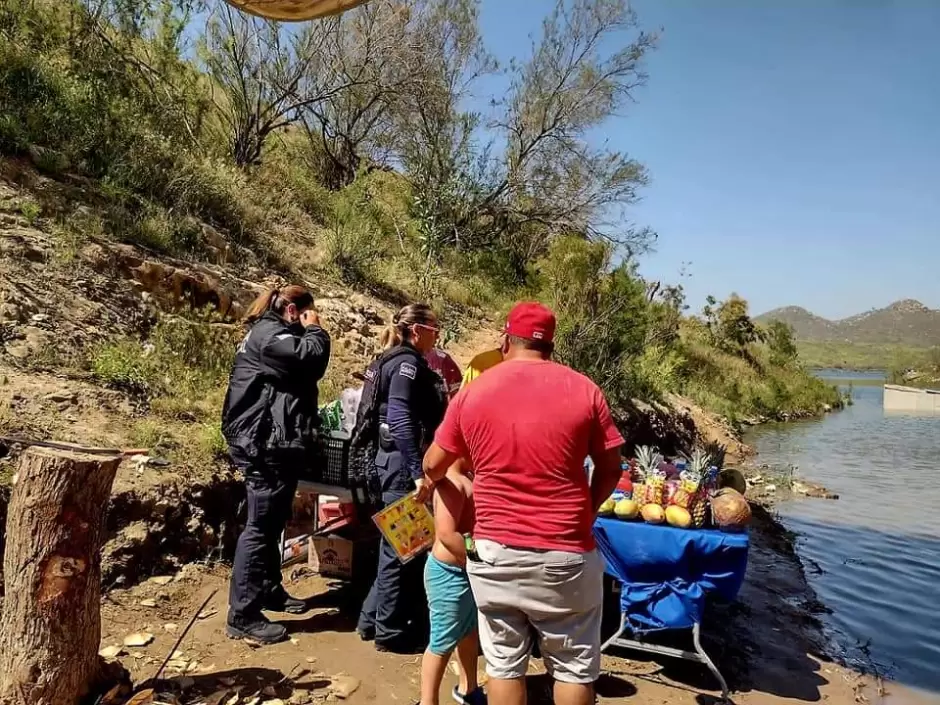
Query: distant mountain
<point x="906" y="322"/>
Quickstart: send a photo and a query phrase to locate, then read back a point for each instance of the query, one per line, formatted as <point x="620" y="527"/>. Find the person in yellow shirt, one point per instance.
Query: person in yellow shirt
<point x="480" y="363"/>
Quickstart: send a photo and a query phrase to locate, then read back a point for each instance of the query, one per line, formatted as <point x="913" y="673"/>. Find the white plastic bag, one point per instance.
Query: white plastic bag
<point x="349" y="403"/>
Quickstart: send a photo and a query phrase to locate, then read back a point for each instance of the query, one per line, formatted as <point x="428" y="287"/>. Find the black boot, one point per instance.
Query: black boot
<point x="258" y="630"/>
<point x="280" y="601"/>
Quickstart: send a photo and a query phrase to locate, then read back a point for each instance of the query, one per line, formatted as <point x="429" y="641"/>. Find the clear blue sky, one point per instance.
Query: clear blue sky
<point x="794" y="146"/>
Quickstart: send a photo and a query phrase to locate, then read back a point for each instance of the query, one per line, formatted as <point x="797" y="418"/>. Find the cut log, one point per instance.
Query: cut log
<point x="50" y="628"/>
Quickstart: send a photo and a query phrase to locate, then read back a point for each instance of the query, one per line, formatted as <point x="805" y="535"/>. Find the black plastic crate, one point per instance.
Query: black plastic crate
<point x="335" y="469"/>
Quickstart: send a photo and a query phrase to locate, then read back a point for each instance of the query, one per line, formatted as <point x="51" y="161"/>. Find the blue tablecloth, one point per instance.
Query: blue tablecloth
<point x="665" y="572"/>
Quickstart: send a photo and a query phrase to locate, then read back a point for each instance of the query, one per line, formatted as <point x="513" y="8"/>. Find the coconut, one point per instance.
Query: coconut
<point x="653" y="513"/>
<point x="730" y="510"/>
<point x="679" y="517"/>
<point x="626" y="509"/>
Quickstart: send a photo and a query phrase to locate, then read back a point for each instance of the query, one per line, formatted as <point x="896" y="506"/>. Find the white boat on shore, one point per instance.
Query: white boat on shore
<point x="898" y="398"/>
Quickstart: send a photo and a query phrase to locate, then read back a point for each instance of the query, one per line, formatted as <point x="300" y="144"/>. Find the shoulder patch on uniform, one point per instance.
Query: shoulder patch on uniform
<point x="408" y="370"/>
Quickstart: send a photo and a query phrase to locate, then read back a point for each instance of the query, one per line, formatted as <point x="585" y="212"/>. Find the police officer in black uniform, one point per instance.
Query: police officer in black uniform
<point x="411" y="406"/>
<point x="270" y="420"/>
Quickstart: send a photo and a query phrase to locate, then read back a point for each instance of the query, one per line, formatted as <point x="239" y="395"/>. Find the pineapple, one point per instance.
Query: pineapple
<point x="693" y="487"/>
<point x="648" y="460"/>
<point x="716" y="451"/>
<point x="699" y="509"/>
<point x="691" y="479"/>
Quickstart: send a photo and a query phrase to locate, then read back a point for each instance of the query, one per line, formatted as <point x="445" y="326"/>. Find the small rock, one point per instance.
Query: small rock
<point x="110" y="652"/>
<point x="171" y="627"/>
<point x="178" y="665"/>
<point x="343" y="686"/>
<point x="770" y="488"/>
<point x="60" y="397"/>
<point x="39" y="317"/>
<point x="148" y="603"/>
<point x="138" y="639"/>
<point x="275" y="701"/>
<point x="176" y="655"/>
<point x="208" y="612"/>
<point x="299" y="697"/>
<point x="162" y="579"/>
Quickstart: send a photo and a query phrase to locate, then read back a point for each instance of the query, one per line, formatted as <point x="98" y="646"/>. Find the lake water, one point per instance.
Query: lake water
<point x="873" y="556"/>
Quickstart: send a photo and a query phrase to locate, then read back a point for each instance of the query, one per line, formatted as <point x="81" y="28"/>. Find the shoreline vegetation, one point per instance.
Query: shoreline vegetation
<point x="866" y="357"/>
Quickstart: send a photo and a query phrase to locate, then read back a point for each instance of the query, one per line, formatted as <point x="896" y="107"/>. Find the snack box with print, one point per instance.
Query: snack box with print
<point x="331" y="556"/>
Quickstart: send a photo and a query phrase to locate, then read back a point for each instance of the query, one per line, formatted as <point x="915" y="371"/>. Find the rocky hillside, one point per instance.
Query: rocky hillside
<point x="906" y="322"/>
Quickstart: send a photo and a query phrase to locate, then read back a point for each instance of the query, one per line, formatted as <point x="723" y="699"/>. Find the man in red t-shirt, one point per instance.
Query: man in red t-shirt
<point x="526" y="427"/>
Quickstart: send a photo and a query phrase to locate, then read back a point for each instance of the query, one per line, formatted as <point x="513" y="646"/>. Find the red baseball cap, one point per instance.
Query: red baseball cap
<point x="532" y="321"/>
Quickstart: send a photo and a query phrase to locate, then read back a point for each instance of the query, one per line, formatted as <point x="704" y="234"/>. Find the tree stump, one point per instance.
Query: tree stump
<point x="50" y="629"/>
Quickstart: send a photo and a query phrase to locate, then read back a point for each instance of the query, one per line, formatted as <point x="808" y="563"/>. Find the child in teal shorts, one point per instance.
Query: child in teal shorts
<point x="452" y="608"/>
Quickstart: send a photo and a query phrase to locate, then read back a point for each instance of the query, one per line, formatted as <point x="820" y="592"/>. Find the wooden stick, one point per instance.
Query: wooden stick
<point x="73" y="447"/>
<point x="183" y="635"/>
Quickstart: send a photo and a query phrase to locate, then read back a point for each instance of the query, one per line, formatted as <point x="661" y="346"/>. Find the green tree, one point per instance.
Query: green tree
<point x="730" y="325"/>
<point x="602" y="313"/>
<point x="780" y="342"/>
<point x="264" y="75"/>
<point x="581" y="72"/>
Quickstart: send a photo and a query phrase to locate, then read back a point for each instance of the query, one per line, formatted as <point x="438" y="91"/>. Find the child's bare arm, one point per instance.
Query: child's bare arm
<point x="449" y="502"/>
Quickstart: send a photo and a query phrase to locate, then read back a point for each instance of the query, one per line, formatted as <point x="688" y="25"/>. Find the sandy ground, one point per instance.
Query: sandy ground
<point x="325" y="659"/>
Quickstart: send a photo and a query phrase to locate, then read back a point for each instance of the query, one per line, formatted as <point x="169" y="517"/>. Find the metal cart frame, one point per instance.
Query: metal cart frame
<point x="697" y="656"/>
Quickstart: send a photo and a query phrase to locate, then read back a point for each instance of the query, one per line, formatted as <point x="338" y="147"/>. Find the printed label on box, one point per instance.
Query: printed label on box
<point x="331" y="556"/>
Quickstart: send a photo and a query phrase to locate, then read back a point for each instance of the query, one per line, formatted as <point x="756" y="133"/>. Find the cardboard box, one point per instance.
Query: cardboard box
<point x="303" y="518"/>
<point x="331" y="556"/>
<point x="294" y="550"/>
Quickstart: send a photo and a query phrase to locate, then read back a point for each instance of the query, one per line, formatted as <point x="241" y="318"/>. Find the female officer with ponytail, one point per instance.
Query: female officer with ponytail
<point x="270" y="420"/>
<point x="410" y="401"/>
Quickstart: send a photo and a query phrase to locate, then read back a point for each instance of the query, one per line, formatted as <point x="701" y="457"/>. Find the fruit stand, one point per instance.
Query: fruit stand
<point x="671" y="535"/>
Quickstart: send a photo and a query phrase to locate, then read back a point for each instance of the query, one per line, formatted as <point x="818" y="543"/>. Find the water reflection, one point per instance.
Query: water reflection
<point x="878" y="547"/>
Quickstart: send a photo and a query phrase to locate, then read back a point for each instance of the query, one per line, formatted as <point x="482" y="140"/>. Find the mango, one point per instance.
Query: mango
<point x="678" y="516"/>
<point x="653" y="513"/>
<point x="607" y="508"/>
<point x="626" y="509"/>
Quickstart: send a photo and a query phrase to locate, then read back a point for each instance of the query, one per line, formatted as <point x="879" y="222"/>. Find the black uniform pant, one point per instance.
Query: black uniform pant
<point x="256" y="573"/>
<point x="395" y="610"/>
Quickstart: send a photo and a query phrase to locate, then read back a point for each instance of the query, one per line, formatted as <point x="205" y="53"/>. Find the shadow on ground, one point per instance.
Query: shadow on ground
<point x="268" y="683"/>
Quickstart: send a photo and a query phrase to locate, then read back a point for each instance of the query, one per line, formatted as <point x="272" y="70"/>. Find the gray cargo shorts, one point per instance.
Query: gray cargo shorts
<point x="559" y="594"/>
